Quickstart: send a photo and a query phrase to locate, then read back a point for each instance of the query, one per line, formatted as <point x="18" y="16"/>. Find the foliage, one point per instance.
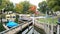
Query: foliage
<point x="1" y="27"/>
<point x="0" y="2"/>
<point x="43" y="7"/>
<point x="9" y="7"/>
<point x="25" y="7"/>
<point x="50" y="20"/>
<point x="19" y="8"/>
<point x="54" y="4"/>
<point x="32" y="9"/>
<point x="3" y="4"/>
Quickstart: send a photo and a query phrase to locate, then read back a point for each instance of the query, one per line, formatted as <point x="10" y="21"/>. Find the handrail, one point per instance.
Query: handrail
<point x="12" y="28"/>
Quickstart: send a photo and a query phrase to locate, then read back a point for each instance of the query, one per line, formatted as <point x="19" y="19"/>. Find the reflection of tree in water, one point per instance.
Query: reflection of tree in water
<point x="40" y="30"/>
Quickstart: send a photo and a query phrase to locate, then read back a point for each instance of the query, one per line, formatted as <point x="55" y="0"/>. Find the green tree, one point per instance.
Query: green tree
<point x="26" y="5"/>
<point x="19" y="8"/>
<point x="3" y="4"/>
<point x="0" y="2"/>
<point x="23" y="7"/>
<point x="54" y="5"/>
<point x="9" y="7"/>
<point x="43" y="7"/>
<point x="6" y="4"/>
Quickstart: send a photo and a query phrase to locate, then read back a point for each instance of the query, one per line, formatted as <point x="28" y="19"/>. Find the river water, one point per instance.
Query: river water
<point x="30" y="31"/>
<point x="33" y="30"/>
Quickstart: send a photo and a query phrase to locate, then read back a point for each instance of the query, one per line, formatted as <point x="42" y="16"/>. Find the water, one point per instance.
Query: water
<point x="31" y="30"/>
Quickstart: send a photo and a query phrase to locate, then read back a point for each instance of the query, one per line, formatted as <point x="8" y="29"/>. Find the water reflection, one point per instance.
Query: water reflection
<point x="32" y="30"/>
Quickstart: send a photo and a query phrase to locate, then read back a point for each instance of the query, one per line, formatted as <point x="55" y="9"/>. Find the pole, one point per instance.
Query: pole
<point x="51" y="28"/>
<point x="52" y="24"/>
<point x="58" y="29"/>
<point x="48" y="29"/>
<point x="33" y="23"/>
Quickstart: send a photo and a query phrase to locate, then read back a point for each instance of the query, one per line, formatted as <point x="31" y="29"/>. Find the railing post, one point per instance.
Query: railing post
<point x="51" y="28"/>
<point x="28" y="26"/>
<point x="21" y="29"/>
<point x="57" y="29"/>
<point x="48" y="28"/>
<point x="33" y="23"/>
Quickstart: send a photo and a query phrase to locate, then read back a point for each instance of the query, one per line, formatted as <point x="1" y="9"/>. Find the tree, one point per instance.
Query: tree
<point x="32" y="9"/>
<point x="6" y="4"/>
<point x="3" y="4"/>
<point x="54" y="5"/>
<point x="0" y="2"/>
<point x="19" y="8"/>
<point x="43" y="7"/>
<point x="9" y="7"/>
<point x="23" y="7"/>
<point x="26" y="5"/>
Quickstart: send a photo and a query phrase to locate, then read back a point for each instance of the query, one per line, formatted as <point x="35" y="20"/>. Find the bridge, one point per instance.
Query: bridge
<point x="16" y="28"/>
<point x="20" y="27"/>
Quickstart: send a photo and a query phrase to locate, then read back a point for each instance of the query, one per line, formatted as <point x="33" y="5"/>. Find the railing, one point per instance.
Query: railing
<point x="24" y="23"/>
<point x="11" y="28"/>
<point x="14" y="28"/>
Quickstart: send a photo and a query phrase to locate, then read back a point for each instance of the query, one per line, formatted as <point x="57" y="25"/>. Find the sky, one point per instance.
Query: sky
<point x="34" y="2"/>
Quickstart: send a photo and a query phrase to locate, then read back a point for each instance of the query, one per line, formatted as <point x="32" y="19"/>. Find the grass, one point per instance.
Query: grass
<point x="50" y="20"/>
<point x="1" y="27"/>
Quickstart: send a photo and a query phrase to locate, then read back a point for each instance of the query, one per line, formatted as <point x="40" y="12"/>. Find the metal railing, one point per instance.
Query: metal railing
<point x="14" y="28"/>
<point x="11" y="28"/>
